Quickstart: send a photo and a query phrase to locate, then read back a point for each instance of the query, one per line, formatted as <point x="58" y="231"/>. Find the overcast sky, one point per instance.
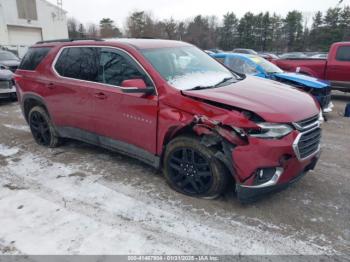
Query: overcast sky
<point x="92" y="11"/>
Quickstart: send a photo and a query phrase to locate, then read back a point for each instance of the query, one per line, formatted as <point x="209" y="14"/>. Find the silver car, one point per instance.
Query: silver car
<point x="7" y="88"/>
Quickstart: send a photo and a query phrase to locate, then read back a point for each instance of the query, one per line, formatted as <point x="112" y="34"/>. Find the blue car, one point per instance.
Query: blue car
<point x="258" y="66"/>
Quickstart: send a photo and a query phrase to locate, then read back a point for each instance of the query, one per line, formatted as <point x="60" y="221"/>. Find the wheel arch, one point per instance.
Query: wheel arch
<point x="208" y="139"/>
<point x="30" y="101"/>
<point x="307" y="71"/>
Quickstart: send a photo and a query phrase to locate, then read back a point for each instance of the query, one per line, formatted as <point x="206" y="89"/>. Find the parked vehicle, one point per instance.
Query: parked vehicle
<point x="258" y="66"/>
<point x="216" y="50"/>
<point x="268" y="56"/>
<point x="8" y="61"/>
<point x="172" y="106"/>
<point x="244" y="51"/>
<point x="293" y="55"/>
<point x="335" y="69"/>
<point x="7" y="88"/>
<point x="320" y="56"/>
<point x="209" y="52"/>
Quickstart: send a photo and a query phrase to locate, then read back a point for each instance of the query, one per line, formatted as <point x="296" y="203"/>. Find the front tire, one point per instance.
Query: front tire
<point x="42" y="128"/>
<point x="192" y="168"/>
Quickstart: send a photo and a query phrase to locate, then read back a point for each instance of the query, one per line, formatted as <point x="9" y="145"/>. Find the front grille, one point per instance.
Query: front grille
<point x="307" y="122"/>
<point x="5" y="85"/>
<point x="309" y="143"/>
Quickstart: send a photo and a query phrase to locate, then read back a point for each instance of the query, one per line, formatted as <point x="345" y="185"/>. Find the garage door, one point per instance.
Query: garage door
<point x="24" y="35"/>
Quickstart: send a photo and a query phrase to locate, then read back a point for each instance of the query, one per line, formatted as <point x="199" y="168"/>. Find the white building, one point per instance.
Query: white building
<point x="25" y="22"/>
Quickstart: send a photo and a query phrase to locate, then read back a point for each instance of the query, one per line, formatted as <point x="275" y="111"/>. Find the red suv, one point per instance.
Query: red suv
<point x="169" y="104"/>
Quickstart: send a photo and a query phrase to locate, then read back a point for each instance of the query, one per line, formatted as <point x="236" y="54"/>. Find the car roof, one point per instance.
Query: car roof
<point x="236" y="55"/>
<point x="138" y="43"/>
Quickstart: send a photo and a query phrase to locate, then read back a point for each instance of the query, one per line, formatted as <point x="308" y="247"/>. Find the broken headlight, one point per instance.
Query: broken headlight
<point x="271" y="130"/>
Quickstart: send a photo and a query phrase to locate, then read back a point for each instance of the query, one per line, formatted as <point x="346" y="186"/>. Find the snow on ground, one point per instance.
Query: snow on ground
<point x="6" y="151"/>
<point x="52" y="208"/>
<point x="18" y="127"/>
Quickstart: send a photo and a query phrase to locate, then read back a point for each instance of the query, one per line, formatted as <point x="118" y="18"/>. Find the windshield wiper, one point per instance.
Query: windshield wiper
<point x="214" y="86"/>
<point x="223" y="81"/>
<point x="200" y="88"/>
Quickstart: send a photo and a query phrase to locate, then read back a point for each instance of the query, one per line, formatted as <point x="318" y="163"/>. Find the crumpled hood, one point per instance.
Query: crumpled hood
<point x="273" y="101"/>
<point x="303" y="79"/>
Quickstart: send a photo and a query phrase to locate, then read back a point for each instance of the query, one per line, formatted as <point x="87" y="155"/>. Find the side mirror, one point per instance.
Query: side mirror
<point x="136" y="86"/>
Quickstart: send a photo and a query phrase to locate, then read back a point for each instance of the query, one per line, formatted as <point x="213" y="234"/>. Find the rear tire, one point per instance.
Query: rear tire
<point x="192" y="168"/>
<point x="42" y="129"/>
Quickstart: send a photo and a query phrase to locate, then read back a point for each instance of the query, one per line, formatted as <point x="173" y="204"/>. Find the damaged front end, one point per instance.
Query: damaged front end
<point x="260" y="156"/>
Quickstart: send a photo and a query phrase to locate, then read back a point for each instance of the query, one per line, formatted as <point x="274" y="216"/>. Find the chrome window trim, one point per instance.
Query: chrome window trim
<point x="103" y="84"/>
<point x="296" y="142"/>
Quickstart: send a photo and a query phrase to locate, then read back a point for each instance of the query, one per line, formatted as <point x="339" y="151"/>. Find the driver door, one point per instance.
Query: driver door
<point x="124" y="119"/>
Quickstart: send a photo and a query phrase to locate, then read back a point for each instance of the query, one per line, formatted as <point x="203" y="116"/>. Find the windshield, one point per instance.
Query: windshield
<point x="268" y="67"/>
<point x="7" y="56"/>
<point x="187" y="67"/>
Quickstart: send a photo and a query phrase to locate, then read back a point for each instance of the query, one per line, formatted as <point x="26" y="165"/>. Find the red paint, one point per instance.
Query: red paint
<point x="330" y="69"/>
<point x="151" y="121"/>
<point x="139" y="83"/>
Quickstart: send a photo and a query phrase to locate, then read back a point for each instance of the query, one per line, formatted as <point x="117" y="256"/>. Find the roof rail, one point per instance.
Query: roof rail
<point x="69" y="40"/>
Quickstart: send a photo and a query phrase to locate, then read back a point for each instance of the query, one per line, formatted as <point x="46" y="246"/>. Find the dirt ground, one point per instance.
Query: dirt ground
<point x="80" y="199"/>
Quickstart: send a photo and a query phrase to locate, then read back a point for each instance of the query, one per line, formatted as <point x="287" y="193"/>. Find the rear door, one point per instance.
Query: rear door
<point x="70" y="91"/>
<point x="125" y="118"/>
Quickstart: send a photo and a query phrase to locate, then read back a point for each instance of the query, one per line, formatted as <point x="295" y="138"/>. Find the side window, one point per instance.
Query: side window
<point x="79" y="63"/>
<point x="343" y="53"/>
<point x="33" y="58"/>
<point x="241" y="66"/>
<point x="115" y="67"/>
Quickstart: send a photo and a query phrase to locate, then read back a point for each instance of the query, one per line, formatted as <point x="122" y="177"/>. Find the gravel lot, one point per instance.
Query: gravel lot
<point x="80" y="199"/>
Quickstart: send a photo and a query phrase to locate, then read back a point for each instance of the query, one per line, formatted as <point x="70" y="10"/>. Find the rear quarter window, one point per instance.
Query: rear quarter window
<point x="33" y="58"/>
<point x="343" y="53"/>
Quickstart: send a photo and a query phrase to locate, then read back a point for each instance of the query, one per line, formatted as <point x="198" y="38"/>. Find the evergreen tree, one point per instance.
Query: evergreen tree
<point x="245" y="29"/>
<point x="198" y="32"/>
<point x="228" y="32"/>
<point x="293" y="30"/>
<point x="345" y="23"/>
<point x="108" y="29"/>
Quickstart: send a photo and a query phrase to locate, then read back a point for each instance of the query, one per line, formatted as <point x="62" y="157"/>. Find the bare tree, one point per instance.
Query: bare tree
<point x="92" y="30"/>
<point x="73" y="27"/>
<point x="170" y="27"/>
<point x="141" y="24"/>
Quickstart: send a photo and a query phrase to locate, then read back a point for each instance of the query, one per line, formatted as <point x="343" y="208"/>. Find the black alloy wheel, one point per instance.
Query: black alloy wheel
<point x="41" y="127"/>
<point x="190" y="170"/>
<point x="193" y="169"/>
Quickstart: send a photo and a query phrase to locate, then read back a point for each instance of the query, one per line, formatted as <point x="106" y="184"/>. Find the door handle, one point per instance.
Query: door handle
<point x="100" y="95"/>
